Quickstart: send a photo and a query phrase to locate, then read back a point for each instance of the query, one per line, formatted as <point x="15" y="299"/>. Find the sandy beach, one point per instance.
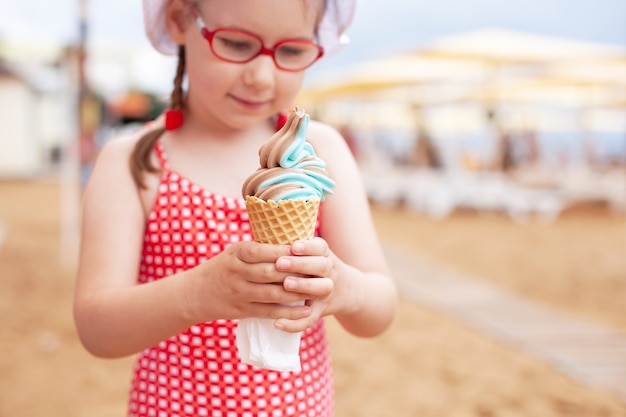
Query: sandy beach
<point x="427" y="364"/>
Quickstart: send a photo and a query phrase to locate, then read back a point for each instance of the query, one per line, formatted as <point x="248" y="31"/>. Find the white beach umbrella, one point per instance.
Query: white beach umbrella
<point x="499" y="46"/>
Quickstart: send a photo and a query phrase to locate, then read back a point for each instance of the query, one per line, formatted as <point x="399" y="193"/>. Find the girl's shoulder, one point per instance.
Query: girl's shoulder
<point x="125" y="142"/>
<point x="117" y="152"/>
<point x="319" y="131"/>
<point x="113" y="160"/>
<point x="111" y="179"/>
<point x="327" y="141"/>
<point x="323" y="136"/>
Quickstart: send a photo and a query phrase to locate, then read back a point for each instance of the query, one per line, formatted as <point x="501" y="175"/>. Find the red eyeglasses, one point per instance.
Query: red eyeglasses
<point x="237" y="46"/>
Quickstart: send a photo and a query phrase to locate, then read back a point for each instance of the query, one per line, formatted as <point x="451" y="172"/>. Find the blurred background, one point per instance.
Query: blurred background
<point x="438" y="101"/>
<point x="492" y="141"/>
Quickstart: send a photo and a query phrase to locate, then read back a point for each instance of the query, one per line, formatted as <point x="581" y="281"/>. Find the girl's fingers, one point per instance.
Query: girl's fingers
<point x="294" y="325"/>
<point x="258" y="260"/>
<point x="282" y="312"/>
<point x="272" y="294"/>
<point x="312" y="287"/>
<point x="319" y="266"/>
<point x="253" y="252"/>
<point x="315" y="246"/>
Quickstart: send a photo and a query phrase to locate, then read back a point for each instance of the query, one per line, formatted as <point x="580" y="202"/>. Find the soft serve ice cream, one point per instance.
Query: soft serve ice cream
<point x="290" y="169"/>
<point x="282" y="198"/>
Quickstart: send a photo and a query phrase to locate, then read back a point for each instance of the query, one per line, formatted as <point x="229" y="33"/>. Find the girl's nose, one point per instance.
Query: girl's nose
<point x="260" y="73"/>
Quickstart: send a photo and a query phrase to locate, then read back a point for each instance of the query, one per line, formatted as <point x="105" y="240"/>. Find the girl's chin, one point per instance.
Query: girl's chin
<point x="243" y="122"/>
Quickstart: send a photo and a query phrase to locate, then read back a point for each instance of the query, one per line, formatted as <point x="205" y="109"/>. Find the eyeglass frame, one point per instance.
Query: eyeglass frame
<point x="208" y="35"/>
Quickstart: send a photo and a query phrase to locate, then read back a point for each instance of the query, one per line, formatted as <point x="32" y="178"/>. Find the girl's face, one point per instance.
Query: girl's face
<point x="239" y="95"/>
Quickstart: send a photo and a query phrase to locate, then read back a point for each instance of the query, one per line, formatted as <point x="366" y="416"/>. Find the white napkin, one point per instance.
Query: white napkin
<point x="261" y="344"/>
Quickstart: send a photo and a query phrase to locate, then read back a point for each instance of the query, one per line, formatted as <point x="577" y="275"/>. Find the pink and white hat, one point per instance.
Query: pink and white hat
<point x="332" y="29"/>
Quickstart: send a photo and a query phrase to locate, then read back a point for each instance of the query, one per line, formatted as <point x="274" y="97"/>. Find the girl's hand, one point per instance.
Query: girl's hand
<point x="312" y="271"/>
<point x="243" y="281"/>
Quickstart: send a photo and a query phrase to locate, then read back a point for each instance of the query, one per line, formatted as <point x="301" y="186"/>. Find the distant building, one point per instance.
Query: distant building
<point x="33" y="118"/>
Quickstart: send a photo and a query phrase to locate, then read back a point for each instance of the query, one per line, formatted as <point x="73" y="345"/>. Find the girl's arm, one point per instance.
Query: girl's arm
<point x="114" y="316"/>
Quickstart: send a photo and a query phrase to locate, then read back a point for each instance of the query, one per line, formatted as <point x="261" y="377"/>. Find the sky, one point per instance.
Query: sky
<point x="396" y="25"/>
<point x="380" y="27"/>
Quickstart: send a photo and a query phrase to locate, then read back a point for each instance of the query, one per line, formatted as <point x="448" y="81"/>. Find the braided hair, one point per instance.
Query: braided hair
<point x="140" y="159"/>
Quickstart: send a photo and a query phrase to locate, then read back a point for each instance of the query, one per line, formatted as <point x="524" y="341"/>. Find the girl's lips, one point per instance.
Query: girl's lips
<point x="252" y="105"/>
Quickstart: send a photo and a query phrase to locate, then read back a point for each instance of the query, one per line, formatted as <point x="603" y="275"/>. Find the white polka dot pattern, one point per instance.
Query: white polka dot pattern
<point x="198" y="372"/>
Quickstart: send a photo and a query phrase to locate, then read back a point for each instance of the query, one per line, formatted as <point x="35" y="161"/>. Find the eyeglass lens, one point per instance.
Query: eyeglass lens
<point x="236" y="46"/>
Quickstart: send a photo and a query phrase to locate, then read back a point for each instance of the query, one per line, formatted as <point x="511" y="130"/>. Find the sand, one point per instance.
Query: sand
<point x="425" y="365"/>
<point x="577" y="264"/>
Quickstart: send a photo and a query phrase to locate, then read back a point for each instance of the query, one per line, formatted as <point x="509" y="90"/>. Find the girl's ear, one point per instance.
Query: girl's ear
<point x="176" y="20"/>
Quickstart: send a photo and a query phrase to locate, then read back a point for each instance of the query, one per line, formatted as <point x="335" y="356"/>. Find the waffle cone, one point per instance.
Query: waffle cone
<point x="282" y="222"/>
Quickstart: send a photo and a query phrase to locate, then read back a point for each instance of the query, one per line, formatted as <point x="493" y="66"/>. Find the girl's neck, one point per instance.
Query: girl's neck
<point x="219" y="160"/>
<point x="206" y="127"/>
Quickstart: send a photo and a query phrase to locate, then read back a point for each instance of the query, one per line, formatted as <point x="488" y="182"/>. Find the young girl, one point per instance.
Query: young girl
<point x="167" y="263"/>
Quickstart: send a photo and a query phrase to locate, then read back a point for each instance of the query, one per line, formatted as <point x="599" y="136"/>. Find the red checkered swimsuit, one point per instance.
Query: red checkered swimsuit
<point x="198" y="372"/>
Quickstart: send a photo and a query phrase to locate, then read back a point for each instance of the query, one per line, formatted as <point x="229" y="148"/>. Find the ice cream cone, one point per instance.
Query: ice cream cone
<point x="277" y="222"/>
<point x="282" y="222"/>
<point x="283" y="198"/>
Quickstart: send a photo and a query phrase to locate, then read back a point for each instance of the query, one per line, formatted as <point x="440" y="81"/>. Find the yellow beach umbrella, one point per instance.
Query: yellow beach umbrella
<point x="525" y="67"/>
<point x="566" y="92"/>
<point x="372" y="77"/>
